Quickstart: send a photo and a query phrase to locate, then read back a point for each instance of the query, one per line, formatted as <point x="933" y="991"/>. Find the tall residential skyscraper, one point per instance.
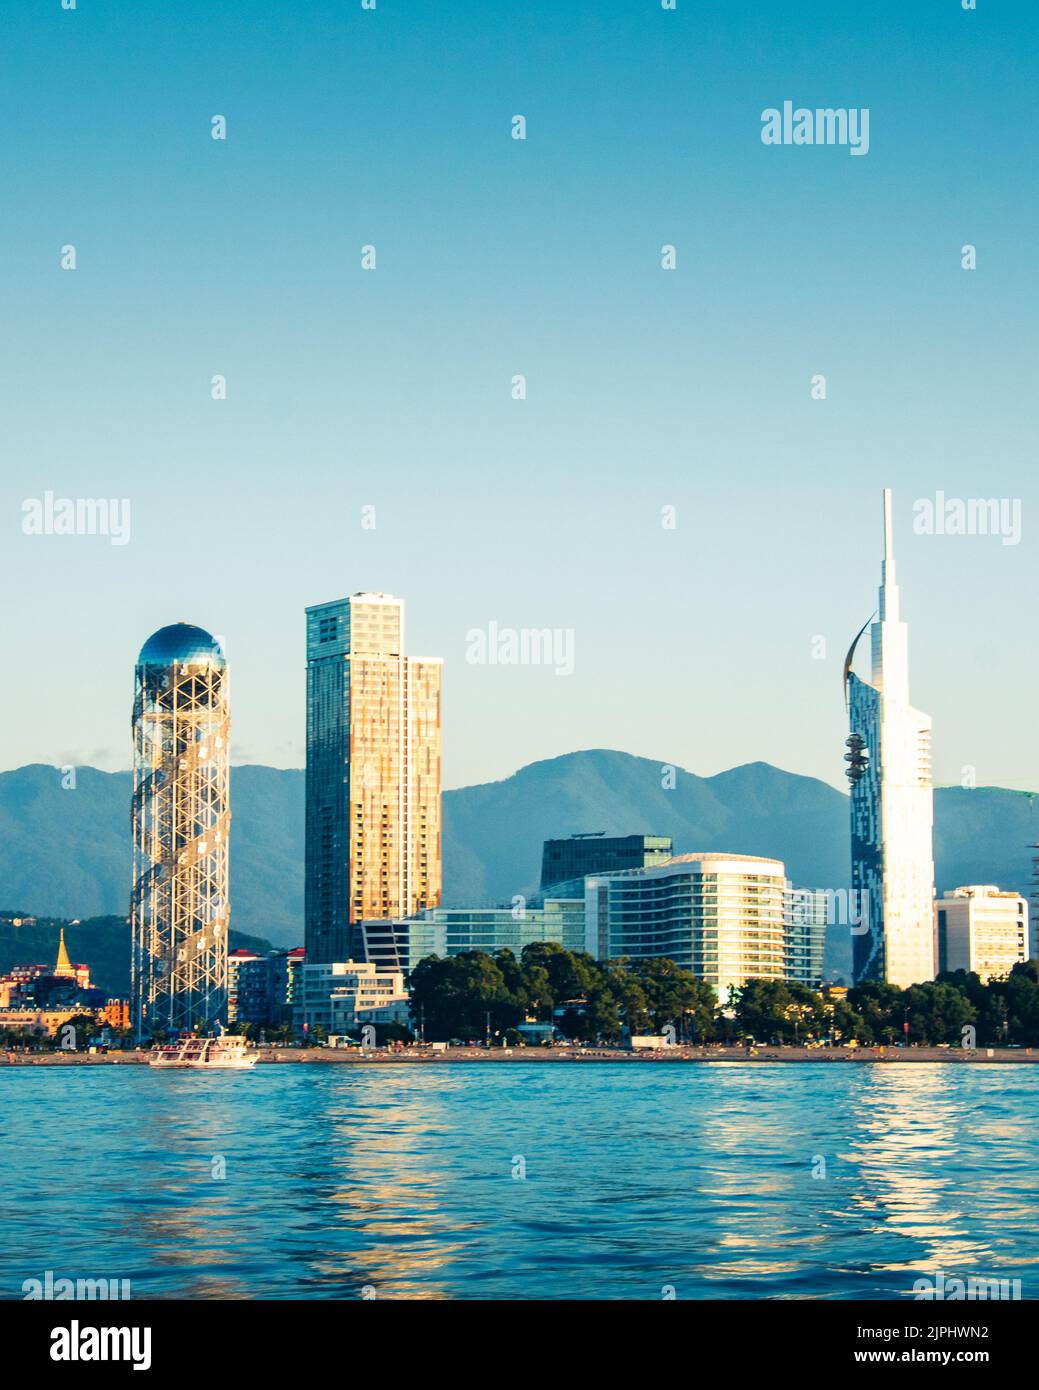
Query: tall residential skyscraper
<point x="373" y="773"/>
<point x="889" y="769"/>
<point x="181" y="821"/>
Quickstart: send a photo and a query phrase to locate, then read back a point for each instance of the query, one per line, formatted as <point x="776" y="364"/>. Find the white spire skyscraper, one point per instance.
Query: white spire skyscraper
<point x="889" y="769"/>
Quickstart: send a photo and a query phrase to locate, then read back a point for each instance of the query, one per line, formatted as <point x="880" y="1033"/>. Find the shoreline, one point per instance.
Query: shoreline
<point x="548" y="1056"/>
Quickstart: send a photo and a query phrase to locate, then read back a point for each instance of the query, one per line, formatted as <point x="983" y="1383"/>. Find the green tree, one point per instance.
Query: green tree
<point x="513" y="977"/>
<point x="1021" y="993"/>
<point x="845" y="1023"/>
<point x="780" y="1011"/>
<point x="880" y="1008"/>
<point x="632" y="1003"/>
<point x="938" y="1013"/>
<point x="599" y="1020"/>
<point x="993" y="1019"/>
<point x="675" y="996"/>
<point x="570" y="974"/>
<point x="455" y="996"/>
<point x="968" y="983"/>
<point x="86" y="1029"/>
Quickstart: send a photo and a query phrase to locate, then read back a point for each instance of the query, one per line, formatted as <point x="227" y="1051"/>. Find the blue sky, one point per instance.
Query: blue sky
<point x="495" y="257"/>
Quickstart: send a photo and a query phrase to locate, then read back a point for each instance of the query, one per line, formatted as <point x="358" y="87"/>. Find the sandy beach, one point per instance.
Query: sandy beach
<point x="329" y="1056"/>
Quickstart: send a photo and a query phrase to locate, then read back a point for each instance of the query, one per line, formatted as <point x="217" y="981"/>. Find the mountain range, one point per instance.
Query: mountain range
<point x="67" y="852"/>
<point x="103" y="943"/>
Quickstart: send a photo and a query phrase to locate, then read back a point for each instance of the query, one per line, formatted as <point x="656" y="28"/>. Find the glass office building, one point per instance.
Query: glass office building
<point x="807" y="912"/>
<point x="573" y="858"/>
<point x="373" y="773"/>
<point x="448" y="931"/>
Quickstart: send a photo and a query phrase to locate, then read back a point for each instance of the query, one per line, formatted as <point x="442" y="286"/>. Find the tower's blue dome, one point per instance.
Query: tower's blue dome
<point x="180" y="642"/>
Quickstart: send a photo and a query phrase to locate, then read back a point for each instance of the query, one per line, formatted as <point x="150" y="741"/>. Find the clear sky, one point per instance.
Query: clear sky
<point x="646" y="388"/>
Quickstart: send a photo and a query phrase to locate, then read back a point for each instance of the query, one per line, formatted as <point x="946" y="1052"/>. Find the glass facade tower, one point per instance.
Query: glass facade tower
<point x="807" y="913"/>
<point x="373" y="773"/>
<point x="565" y="860"/>
<point x="889" y="759"/>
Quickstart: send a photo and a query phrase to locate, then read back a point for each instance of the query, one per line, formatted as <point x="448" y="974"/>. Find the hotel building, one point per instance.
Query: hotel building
<point x="889" y="770"/>
<point x="27" y="985"/>
<point x="982" y="929"/>
<point x="725" y="917"/>
<point x="373" y="773"/>
<point x="284" y="976"/>
<point x="263" y="990"/>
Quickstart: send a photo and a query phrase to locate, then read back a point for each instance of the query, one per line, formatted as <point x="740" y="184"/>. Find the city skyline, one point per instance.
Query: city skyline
<point x="651" y="941"/>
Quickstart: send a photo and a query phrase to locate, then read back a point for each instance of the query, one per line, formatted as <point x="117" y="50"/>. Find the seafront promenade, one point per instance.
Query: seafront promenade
<point x="475" y="1056"/>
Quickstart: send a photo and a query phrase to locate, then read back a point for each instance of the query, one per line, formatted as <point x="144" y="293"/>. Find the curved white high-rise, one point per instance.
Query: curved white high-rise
<point x="892" y="851"/>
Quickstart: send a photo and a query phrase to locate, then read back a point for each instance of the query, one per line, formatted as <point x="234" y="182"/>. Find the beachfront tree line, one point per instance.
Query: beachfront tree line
<point x="475" y="995"/>
<point x="468" y="995"/>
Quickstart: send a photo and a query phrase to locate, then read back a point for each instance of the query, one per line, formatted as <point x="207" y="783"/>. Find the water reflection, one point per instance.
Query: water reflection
<point x="400" y="1180"/>
<point x="905" y="1138"/>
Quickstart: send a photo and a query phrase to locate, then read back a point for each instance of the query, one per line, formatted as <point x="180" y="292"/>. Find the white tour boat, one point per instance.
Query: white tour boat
<point x="210" y="1054"/>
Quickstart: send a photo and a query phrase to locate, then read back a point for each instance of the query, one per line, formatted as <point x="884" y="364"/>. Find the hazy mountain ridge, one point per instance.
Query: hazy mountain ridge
<point x="103" y="943"/>
<point x="67" y="853"/>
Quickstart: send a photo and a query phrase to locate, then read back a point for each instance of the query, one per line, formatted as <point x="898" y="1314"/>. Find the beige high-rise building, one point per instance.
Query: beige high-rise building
<point x="373" y="773"/>
<point x="982" y="929"/>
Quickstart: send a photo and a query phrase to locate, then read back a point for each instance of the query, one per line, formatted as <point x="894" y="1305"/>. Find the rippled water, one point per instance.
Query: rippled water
<point x="400" y="1178"/>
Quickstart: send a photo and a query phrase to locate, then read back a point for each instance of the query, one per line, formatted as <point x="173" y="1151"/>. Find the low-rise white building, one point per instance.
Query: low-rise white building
<point x="344" y="995"/>
<point x="981" y="928"/>
<point x="349" y="1015"/>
